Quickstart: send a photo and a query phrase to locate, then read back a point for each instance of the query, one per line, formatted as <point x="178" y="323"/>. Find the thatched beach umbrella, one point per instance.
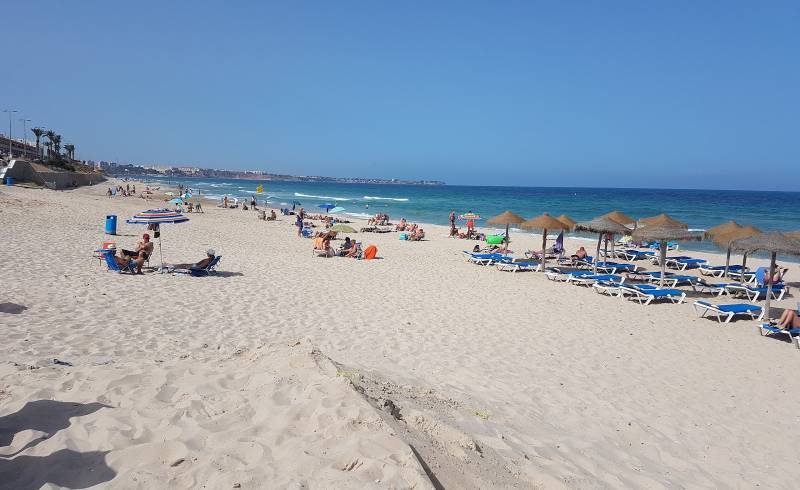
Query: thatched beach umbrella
<point x="773" y="242"/>
<point x="723" y="229"/>
<point x="622" y="219"/>
<point x="725" y="238"/>
<point x="567" y="221"/>
<point x="664" y="228"/>
<point x="601" y="225"/>
<point x="619" y="217"/>
<point x="544" y="222"/>
<point x="507" y="218"/>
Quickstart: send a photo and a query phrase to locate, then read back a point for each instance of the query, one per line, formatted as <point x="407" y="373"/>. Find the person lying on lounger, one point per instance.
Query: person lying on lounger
<point x="789" y="319"/>
<point x="580" y="254"/>
<point x="202" y="264"/>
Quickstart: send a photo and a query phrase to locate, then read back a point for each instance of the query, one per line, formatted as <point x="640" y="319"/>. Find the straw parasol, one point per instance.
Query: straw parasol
<point x="664" y="228"/>
<point x="619" y="217"/>
<point x="507" y="218"/>
<point x="723" y="229"/>
<point x="622" y="219"/>
<point x="601" y="225"/>
<point x="773" y="242"/>
<point x="726" y="238"/>
<point x="544" y="222"/>
<point x="567" y="221"/>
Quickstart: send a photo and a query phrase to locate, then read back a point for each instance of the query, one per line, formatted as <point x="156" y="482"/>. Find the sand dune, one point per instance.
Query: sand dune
<point x="493" y="379"/>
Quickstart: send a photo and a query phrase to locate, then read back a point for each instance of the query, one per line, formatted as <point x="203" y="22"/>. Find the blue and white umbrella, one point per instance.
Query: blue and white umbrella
<point x="176" y="201"/>
<point x="157" y="217"/>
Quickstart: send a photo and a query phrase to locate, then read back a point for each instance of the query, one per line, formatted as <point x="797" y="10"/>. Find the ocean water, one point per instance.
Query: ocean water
<point x="700" y="209"/>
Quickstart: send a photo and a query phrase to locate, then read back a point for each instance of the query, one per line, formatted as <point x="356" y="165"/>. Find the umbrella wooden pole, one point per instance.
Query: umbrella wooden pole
<point x="769" y="285"/>
<point x="544" y="247"/>
<point x="506" y="239"/>
<point x="663" y="262"/>
<point x="597" y="254"/>
<point x="727" y="261"/>
<point x="744" y="262"/>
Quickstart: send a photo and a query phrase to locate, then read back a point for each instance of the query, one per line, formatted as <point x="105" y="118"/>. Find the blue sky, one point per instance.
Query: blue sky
<point x="624" y="94"/>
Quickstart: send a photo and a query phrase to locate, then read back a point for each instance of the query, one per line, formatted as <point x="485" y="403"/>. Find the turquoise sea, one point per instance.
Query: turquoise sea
<point x="700" y="209"/>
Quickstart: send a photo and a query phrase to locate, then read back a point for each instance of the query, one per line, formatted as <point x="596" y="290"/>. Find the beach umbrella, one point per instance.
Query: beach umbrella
<point x="327" y="206"/>
<point x="157" y="217"/>
<point x="725" y="234"/>
<point x="602" y="225"/>
<point x="544" y="222"/>
<point x="343" y="229"/>
<point x="177" y="200"/>
<point x="619" y="217"/>
<point x="663" y="228"/>
<point x="622" y="219"/>
<point x="567" y="221"/>
<point x="508" y="218"/>
<point x="723" y="229"/>
<point x="773" y="242"/>
<point x="337" y="209"/>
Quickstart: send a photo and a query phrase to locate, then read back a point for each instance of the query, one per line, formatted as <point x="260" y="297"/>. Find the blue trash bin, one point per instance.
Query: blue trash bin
<point x="9" y="180"/>
<point x="111" y="224"/>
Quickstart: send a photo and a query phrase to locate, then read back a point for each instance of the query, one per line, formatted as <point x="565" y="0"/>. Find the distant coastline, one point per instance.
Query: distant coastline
<point x="127" y="170"/>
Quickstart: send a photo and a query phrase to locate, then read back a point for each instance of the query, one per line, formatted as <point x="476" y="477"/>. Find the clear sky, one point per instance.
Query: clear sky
<point x="656" y="94"/>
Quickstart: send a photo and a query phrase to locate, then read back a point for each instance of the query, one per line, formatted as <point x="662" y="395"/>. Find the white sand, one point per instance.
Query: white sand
<point x="495" y="379"/>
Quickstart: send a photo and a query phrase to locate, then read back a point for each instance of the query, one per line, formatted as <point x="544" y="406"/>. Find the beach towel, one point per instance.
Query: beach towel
<point x="370" y="252"/>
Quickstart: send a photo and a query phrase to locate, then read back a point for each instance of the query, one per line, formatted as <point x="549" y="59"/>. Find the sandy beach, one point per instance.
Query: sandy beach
<point x="417" y="370"/>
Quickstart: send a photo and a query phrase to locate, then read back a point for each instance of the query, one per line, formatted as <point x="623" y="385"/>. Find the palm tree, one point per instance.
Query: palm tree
<point x="38" y="132"/>
<point x="49" y="145"/>
<point x="70" y="151"/>
<point x="57" y="144"/>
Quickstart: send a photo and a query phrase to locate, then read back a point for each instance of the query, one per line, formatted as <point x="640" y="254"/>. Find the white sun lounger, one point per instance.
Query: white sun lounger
<point x="728" y="311"/>
<point x="647" y="296"/>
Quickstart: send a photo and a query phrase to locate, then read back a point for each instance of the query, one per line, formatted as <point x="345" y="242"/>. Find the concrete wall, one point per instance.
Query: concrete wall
<point x="24" y="171"/>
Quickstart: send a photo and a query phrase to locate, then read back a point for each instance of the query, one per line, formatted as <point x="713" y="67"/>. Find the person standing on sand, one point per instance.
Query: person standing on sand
<point x="452" y="219"/>
<point x="299" y="224"/>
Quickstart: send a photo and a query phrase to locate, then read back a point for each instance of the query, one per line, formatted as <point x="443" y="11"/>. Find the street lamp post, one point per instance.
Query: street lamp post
<point x="25" y="137"/>
<point x="10" y="113"/>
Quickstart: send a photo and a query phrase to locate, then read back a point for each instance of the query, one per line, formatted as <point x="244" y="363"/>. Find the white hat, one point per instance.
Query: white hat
<point x="210" y="251"/>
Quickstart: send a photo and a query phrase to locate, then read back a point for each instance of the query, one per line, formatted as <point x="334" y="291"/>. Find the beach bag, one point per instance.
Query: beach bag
<point x="404" y="236"/>
<point x="370" y="252"/>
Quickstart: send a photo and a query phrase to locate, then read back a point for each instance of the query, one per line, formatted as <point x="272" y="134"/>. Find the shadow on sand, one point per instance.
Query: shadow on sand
<point x="48" y="416"/>
<point x="64" y="468"/>
<point x="12" y="308"/>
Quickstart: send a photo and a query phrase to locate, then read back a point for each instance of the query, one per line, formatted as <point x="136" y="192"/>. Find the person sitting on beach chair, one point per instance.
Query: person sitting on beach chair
<point x="417" y="235"/>
<point x="352" y="249"/>
<point x="144" y="248"/>
<point x="126" y="262"/>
